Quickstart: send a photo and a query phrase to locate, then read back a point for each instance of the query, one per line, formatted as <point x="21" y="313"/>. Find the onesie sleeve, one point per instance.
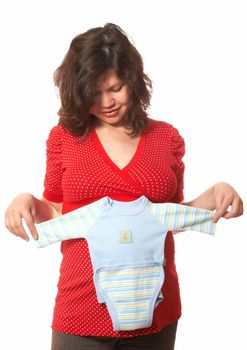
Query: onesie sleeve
<point x="75" y="224"/>
<point x="54" y="170"/>
<point x="177" y="217"/>
<point x="178" y="151"/>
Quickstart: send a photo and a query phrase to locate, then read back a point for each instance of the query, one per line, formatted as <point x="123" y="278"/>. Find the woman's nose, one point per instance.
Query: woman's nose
<point x="107" y="100"/>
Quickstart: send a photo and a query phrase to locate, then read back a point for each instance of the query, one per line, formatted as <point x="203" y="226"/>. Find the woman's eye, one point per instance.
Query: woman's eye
<point x="118" y="88"/>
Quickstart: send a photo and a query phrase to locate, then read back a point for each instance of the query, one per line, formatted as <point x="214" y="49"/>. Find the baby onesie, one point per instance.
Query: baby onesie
<point x="126" y="244"/>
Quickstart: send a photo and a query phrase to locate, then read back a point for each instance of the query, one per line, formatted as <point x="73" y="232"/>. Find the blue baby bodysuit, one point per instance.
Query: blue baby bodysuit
<point x="126" y="245"/>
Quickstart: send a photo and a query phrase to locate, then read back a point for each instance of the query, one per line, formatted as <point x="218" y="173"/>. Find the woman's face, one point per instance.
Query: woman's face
<point x="111" y="100"/>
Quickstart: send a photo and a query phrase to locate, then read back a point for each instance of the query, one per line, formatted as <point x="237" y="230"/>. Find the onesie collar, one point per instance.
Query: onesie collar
<point x="126" y="208"/>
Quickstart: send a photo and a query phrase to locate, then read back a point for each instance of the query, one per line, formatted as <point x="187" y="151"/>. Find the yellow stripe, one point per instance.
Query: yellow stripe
<point x="133" y="326"/>
<point x="130" y="317"/>
<point x="181" y="218"/>
<point x="68" y="224"/>
<point x="191" y="212"/>
<point x="137" y="271"/>
<point x="170" y="216"/>
<point x="79" y="223"/>
<point x="129" y="283"/>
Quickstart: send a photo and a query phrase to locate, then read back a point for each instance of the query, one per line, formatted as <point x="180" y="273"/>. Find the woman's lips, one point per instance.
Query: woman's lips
<point x="111" y="114"/>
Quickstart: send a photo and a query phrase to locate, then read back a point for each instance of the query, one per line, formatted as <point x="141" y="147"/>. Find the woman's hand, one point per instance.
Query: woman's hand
<point x="32" y="210"/>
<point x="227" y="201"/>
<point x="221" y="197"/>
<point x="23" y="206"/>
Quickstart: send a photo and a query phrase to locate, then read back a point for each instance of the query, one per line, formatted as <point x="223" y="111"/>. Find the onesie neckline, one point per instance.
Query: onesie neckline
<point x="126" y="208"/>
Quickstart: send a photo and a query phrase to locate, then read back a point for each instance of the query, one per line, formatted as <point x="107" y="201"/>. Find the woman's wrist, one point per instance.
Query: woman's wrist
<point x="43" y="210"/>
<point x="205" y="200"/>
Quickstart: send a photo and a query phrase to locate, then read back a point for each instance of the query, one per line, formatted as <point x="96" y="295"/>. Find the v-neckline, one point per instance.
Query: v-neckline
<point x="109" y="161"/>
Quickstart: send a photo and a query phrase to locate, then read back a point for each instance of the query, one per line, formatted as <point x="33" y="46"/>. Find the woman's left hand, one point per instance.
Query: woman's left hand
<point x="227" y="201"/>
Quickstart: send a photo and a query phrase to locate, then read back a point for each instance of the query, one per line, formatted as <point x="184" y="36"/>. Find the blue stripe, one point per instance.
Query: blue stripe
<point x="135" y="311"/>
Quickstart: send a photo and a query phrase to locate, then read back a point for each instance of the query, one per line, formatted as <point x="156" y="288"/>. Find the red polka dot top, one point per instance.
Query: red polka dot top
<point x="79" y="172"/>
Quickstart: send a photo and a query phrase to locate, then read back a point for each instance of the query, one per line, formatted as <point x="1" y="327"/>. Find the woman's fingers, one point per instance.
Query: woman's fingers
<point x="228" y="206"/>
<point x="14" y="223"/>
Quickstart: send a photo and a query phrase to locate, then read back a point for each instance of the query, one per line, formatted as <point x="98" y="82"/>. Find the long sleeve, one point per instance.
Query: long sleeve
<point x="54" y="169"/>
<point x="75" y="224"/>
<point x="178" y="151"/>
<point x="179" y="217"/>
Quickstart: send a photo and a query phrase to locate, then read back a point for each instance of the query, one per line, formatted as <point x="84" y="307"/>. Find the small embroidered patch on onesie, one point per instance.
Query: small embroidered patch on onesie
<point x="125" y="237"/>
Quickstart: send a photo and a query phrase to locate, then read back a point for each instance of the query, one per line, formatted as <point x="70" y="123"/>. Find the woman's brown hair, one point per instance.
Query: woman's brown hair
<point x="90" y="56"/>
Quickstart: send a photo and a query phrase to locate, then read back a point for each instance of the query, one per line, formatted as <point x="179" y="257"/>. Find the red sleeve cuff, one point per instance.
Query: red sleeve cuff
<point x="178" y="198"/>
<point x="52" y="197"/>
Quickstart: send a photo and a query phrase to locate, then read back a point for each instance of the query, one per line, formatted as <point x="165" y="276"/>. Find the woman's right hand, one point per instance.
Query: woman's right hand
<point x="22" y="207"/>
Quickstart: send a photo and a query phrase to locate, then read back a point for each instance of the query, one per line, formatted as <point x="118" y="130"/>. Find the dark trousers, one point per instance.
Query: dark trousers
<point x="158" y="341"/>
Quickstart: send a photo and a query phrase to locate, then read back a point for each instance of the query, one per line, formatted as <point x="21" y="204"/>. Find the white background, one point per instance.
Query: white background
<point x="195" y="52"/>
